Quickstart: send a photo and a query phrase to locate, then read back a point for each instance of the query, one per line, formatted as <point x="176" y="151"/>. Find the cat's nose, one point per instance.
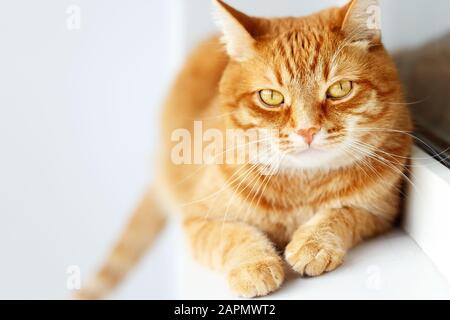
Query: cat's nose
<point x="308" y="134"/>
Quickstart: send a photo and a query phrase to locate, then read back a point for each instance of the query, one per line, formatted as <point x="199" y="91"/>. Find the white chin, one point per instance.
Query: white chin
<point x="314" y="159"/>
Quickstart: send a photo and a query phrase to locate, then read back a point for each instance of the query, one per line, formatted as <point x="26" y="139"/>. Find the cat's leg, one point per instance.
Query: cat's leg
<point x="243" y="252"/>
<point x="320" y="245"/>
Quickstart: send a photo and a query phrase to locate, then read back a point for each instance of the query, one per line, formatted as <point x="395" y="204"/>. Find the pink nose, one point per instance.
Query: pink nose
<point x="308" y="134"/>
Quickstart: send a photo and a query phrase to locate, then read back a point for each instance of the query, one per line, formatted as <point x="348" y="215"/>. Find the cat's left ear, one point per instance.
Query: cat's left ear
<point x="362" y="22"/>
<point x="237" y="31"/>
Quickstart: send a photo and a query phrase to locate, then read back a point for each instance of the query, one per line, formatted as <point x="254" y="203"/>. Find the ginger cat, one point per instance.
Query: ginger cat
<point x="328" y="87"/>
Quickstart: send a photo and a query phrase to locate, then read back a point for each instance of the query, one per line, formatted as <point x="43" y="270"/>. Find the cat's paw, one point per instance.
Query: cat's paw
<point x="311" y="255"/>
<point x="256" y="278"/>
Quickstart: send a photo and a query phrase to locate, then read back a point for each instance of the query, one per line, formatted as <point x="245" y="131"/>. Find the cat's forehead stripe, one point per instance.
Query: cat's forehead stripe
<point x="299" y="55"/>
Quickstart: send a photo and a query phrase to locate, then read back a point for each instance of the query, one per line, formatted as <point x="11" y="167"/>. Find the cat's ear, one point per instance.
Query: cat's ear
<point x="236" y="28"/>
<point x="362" y="22"/>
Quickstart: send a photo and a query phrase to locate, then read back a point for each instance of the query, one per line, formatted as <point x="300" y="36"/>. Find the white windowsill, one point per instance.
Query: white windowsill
<point x="389" y="267"/>
<point x="398" y="265"/>
<point x="428" y="209"/>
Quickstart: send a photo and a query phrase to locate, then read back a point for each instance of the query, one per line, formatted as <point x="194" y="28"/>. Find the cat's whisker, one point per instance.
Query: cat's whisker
<point x="395" y="156"/>
<point x="410" y="134"/>
<point x="395" y="159"/>
<point x="236" y="190"/>
<point x="221" y="154"/>
<point x="408" y="103"/>
<point x="251" y="182"/>
<point x="364" y="163"/>
<point x="383" y="161"/>
<point x="227" y="183"/>
<point x="268" y="178"/>
<point x="350" y="38"/>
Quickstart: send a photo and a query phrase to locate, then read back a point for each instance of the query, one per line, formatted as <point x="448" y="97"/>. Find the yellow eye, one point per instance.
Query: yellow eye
<point x="271" y="97"/>
<point x="340" y="89"/>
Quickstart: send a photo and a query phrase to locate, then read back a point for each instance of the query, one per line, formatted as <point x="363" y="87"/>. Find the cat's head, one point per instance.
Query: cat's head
<point x="324" y="82"/>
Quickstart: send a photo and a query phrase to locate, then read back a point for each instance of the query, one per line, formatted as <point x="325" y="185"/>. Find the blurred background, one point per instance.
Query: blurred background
<point x="81" y="86"/>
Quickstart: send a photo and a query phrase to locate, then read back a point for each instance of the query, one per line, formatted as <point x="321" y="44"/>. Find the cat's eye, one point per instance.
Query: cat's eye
<point x="340" y="90"/>
<point x="272" y="98"/>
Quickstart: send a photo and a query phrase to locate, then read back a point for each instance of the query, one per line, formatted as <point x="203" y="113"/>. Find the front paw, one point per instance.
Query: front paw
<point x="256" y="278"/>
<point x="311" y="254"/>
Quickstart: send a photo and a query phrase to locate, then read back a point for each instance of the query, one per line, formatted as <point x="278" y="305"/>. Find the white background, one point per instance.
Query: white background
<point x="79" y="122"/>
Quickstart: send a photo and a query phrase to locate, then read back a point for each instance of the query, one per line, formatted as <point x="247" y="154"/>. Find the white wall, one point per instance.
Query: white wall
<point x="405" y="22"/>
<point x="199" y="22"/>
<point x="78" y="129"/>
<point x="408" y="23"/>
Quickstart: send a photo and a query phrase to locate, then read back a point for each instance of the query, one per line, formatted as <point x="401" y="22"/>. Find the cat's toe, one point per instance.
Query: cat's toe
<point x="312" y="257"/>
<point x="256" y="278"/>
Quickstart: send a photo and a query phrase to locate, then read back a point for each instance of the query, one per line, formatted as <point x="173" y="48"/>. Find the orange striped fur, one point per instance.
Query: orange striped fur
<point x="319" y="203"/>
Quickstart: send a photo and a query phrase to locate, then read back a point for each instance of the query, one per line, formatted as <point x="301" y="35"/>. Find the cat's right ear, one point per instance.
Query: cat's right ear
<point x="236" y="28"/>
<point x="361" y="23"/>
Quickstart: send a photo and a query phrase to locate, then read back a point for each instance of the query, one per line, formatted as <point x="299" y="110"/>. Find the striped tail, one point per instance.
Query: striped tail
<point x="145" y="224"/>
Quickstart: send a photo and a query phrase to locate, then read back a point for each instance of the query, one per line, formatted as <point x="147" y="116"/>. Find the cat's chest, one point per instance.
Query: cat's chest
<point x="280" y="225"/>
<point x="277" y="208"/>
<point x="280" y="212"/>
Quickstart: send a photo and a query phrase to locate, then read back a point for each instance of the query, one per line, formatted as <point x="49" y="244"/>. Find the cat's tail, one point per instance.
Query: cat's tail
<point x="145" y="224"/>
